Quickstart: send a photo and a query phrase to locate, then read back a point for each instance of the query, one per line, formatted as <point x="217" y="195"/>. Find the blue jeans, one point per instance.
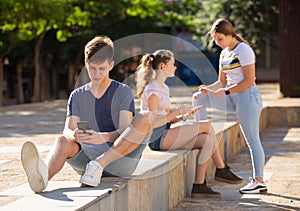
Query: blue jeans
<point x="247" y="105"/>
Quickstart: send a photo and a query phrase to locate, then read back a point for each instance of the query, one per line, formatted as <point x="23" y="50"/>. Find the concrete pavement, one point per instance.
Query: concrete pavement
<point x="282" y="172"/>
<point x="41" y="122"/>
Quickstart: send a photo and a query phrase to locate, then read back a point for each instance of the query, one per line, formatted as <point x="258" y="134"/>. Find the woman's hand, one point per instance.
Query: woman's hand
<point x="203" y="89"/>
<point x="220" y="92"/>
<point x="89" y="136"/>
<point x="186" y="108"/>
<point x="189" y="112"/>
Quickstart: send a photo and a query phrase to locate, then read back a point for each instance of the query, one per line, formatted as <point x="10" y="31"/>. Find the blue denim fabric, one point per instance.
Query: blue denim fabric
<point x="247" y="105"/>
<point x="121" y="167"/>
<point x="157" y="136"/>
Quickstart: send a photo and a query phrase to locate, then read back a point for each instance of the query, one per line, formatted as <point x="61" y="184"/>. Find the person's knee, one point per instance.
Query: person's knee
<point x="66" y="147"/>
<point x="204" y="126"/>
<point x="209" y="125"/>
<point x="62" y="140"/>
<point x="143" y="121"/>
<point x="64" y="143"/>
<point x="195" y="97"/>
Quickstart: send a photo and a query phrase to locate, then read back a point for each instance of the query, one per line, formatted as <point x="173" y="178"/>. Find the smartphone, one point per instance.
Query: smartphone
<point x="83" y="125"/>
<point x="195" y="108"/>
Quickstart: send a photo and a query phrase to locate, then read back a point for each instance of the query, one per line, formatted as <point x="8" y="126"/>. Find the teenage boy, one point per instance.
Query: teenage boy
<point x="114" y="143"/>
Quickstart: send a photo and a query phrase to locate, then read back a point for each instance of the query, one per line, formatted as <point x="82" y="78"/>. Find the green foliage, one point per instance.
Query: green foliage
<point x="144" y="8"/>
<point x="254" y="20"/>
<point x="178" y="14"/>
<point x="181" y="13"/>
<point x="29" y="19"/>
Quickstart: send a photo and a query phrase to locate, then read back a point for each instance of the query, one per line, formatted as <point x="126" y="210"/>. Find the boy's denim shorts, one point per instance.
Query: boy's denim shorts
<point x="121" y="167"/>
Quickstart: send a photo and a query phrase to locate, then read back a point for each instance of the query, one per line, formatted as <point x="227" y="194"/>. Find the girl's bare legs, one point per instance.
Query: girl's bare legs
<point x="199" y="135"/>
<point x="184" y="136"/>
<point x="216" y="156"/>
<point x="201" y="165"/>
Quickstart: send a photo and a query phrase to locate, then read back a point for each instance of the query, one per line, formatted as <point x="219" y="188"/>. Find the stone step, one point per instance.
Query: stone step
<point x="167" y="175"/>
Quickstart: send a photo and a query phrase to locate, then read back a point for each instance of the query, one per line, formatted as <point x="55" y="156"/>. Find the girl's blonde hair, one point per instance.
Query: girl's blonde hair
<point x="223" y="26"/>
<point x="148" y="66"/>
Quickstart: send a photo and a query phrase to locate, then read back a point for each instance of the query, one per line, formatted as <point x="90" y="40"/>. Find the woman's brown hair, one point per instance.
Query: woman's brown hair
<point x="223" y="26"/>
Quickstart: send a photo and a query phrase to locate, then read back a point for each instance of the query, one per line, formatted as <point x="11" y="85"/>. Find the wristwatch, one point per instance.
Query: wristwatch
<point x="227" y="92"/>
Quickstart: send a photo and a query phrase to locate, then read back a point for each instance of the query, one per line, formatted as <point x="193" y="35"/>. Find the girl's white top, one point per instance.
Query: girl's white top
<point x="231" y="62"/>
<point x="163" y="94"/>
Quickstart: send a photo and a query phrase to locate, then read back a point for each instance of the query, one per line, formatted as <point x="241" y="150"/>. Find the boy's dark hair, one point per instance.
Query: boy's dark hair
<point x="99" y="49"/>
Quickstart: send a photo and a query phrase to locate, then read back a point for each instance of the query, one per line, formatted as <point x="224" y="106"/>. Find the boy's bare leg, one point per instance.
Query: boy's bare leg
<point x="39" y="172"/>
<point x="129" y="140"/>
<point x="62" y="149"/>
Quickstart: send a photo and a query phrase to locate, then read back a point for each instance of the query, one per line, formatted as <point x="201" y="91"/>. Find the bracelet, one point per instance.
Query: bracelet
<point x="227" y="92"/>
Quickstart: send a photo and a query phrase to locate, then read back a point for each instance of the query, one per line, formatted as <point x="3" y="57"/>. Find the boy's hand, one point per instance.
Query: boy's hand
<point x="89" y="136"/>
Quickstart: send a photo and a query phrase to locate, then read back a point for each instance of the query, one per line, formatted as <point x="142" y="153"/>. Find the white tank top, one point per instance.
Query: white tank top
<point x="163" y="94"/>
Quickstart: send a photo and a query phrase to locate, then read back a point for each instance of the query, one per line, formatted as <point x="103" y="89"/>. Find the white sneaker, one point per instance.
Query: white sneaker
<point x="35" y="168"/>
<point x="254" y="187"/>
<point x="92" y="174"/>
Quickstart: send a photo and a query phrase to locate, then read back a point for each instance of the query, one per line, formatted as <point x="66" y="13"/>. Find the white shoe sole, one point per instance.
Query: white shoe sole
<point x="256" y="191"/>
<point x="36" y="170"/>
<point x="88" y="182"/>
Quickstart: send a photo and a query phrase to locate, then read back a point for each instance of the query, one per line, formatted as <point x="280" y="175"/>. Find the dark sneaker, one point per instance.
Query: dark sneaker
<point x="226" y="175"/>
<point x="254" y="187"/>
<point x="203" y="191"/>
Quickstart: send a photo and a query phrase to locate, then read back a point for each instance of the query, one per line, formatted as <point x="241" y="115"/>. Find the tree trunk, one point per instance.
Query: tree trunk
<point x="37" y="74"/>
<point x="71" y="74"/>
<point x="9" y="49"/>
<point x="43" y="82"/>
<point x="289" y="19"/>
<point x="1" y="81"/>
<point x="20" y="94"/>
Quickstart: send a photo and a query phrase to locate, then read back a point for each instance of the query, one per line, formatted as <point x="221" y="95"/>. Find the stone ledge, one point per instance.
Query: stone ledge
<point x="159" y="174"/>
<point x="167" y="175"/>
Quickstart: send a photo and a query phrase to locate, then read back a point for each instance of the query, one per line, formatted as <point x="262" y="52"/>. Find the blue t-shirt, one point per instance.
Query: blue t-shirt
<point x="103" y="113"/>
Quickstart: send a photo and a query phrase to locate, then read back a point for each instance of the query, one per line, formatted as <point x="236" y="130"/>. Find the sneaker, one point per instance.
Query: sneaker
<point x="226" y="175"/>
<point x="35" y="168"/>
<point x="203" y="191"/>
<point x="92" y="174"/>
<point x="254" y="187"/>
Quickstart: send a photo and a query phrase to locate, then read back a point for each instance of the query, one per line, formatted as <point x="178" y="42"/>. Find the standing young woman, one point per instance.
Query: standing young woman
<point x="153" y="70"/>
<point x="237" y="90"/>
